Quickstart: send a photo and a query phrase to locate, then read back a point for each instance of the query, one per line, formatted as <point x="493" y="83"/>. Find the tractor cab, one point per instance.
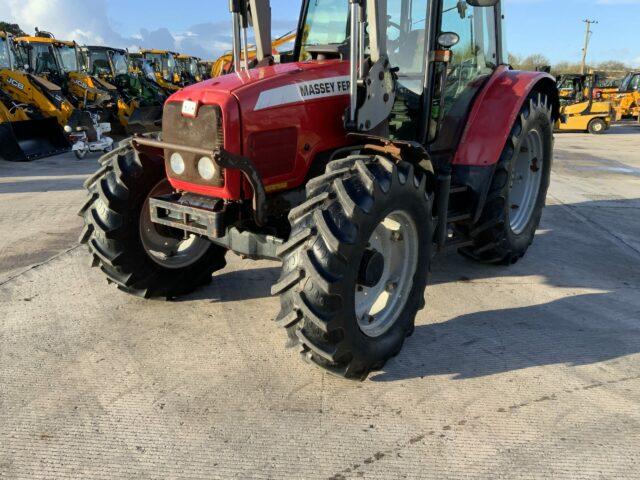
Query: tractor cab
<point x="164" y="65"/>
<point x="205" y="68"/>
<point x="628" y="104"/>
<point x="47" y="57"/>
<point x="63" y="63"/>
<point x="139" y="104"/>
<point x="106" y="62"/>
<point x="188" y="69"/>
<point x="7" y="57"/>
<point x="28" y="129"/>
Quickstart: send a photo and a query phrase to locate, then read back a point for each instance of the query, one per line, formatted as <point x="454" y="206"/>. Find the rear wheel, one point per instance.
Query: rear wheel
<point x="597" y="126"/>
<point x="355" y="267"/>
<point x="518" y="192"/>
<point x="140" y="257"/>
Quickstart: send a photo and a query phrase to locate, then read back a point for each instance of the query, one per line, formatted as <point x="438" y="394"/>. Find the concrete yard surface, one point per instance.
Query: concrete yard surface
<point x="527" y="372"/>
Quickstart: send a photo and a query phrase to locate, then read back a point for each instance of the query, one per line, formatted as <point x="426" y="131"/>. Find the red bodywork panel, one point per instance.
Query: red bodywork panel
<point x="493" y="115"/>
<point x="290" y="113"/>
<point x="281" y="131"/>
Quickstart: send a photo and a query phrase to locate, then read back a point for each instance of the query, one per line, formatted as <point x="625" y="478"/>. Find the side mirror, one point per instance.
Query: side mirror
<point x="462" y="9"/>
<point x="483" y="3"/>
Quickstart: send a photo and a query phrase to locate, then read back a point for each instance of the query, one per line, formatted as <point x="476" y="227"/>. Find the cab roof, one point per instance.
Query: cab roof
<point x="157" y="52"/>
<point x="102" y="48"/>
<point x="52" y="41"/>
<point x="184" y="56"/>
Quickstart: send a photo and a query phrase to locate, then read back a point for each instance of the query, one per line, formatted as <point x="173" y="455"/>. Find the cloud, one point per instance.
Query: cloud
<point x="90" y="24"/>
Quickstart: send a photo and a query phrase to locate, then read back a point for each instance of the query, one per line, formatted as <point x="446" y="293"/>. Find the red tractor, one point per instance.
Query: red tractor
<point x="395" y="130"/>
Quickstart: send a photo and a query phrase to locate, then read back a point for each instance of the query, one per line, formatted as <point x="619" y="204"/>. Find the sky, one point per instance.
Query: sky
<point x="202" y="27"/>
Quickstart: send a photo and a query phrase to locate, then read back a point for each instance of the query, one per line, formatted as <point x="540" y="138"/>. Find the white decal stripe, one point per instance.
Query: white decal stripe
<point x="301" y="92"/>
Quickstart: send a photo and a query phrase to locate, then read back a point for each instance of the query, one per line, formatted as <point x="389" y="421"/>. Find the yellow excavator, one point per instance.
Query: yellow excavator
<point x="581" y="112"/>
<point x="628" y="100"/>
<point x="52" y="65"/>
<point x="67" y="69"/>
<point x="139" y="100"/>
<point x="32" y="111"/>
<point x="205" y="67"/>
<point x="224" y="64"/>
<point x="188" y="70"/>
<point x="164" y="65"/>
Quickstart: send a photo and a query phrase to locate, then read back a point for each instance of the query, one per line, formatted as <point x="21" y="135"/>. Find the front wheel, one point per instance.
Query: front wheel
<point x="518" y="192"/>
<point x="598" y="126"/>
<point x="355" y="267"/>
<point x="80" y="154"/>
<point x="140" y="257"/>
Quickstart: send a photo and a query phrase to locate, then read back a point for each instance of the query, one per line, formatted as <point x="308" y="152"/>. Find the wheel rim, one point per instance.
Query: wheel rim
<point x="597" y="126"/>
<point x="525" y="181"/>
<point x="169" y="247"/>
<point x="378" y="307"/>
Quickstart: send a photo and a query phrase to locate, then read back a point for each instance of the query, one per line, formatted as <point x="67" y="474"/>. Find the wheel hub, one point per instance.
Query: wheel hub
<point x="169" y="248"/>
<point x="386" y="274"/>
<point x="525" y="182"/>
<point x="371" y="268"/>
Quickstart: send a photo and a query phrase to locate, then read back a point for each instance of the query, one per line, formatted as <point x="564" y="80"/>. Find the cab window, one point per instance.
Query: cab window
<point x="473" y="61"/>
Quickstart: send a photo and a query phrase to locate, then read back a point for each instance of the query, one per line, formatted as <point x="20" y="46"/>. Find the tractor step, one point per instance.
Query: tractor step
<point x="457" y="189"/>
<point x="457" y="217"/>
<point x="458" y="243"/>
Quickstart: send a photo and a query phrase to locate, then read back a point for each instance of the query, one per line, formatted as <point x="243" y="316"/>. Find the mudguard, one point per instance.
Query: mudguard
<point x="494" y="113"/>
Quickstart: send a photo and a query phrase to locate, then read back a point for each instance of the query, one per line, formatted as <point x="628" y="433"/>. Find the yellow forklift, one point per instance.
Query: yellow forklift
<point x="580" y="111"/>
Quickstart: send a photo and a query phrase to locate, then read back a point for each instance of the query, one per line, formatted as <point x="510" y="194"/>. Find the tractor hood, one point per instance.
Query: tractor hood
<point x="271" y="87"/>
<point x="278" y="117"/>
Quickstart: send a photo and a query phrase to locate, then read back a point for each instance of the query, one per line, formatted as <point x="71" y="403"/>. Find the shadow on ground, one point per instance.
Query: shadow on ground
<point x="577" y="330"/>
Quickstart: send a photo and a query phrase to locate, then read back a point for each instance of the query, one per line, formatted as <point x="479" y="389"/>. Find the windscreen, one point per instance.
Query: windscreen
<point x="163" y="63"/>
<point x="68" y="58"/>
<point x="120" y="63"/>
<point x="326" y="23"/>
<point x="193" y="67"/>
<point x="43" y="59"/>
<point x="99" y="62"/>
<point x="631" y="83"/>
<point x="6" y="55"/>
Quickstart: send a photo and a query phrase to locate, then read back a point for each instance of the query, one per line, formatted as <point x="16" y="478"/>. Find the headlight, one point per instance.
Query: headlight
<point x="207" y="169"/>
<point x="68" y="129"/>
<point x="177" y="164"/>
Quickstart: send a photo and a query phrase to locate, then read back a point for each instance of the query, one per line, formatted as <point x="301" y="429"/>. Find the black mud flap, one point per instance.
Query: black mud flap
<point x="32" y="139"/>
<point x="145" y="120"/>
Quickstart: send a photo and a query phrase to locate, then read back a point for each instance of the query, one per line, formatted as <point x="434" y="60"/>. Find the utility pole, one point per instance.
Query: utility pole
<point x="586" y="44"/>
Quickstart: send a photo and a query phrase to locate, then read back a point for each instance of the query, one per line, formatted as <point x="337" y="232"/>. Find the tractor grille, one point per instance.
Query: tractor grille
<point x="204" y="131"/>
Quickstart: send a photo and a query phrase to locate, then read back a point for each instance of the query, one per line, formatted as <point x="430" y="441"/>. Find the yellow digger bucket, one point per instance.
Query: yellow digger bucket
<point x="32" y="139"/>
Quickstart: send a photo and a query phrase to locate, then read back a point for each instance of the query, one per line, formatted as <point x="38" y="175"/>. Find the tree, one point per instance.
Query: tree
<point x="528" y="63"/>
<point x="12" y="28"/>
